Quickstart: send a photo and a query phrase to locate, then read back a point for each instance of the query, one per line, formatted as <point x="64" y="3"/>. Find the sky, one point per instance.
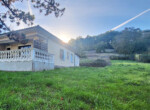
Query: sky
<point x="91" y="17"/>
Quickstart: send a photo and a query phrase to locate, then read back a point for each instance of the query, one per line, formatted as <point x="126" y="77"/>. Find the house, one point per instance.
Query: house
<point x="43" y="51"/>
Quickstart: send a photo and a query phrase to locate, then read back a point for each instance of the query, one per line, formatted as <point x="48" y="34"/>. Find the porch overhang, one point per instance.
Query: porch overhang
<point x="7" y="42"/>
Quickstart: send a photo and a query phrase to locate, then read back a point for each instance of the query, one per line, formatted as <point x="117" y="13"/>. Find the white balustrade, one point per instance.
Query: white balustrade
<point x="42" y="56"/>
<point x="26" y="55"/>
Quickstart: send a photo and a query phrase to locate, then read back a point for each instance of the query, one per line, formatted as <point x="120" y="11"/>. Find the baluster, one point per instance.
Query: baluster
<point x="23" y="54"/>
<point x="6" y="55"/>
<point x="26" y="54"/>
<point x="17" y="55"/>
<point x="14" y="55"/>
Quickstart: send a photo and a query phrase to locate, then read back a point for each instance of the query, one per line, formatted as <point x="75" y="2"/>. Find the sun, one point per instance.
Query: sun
<point x="64" y="37"/>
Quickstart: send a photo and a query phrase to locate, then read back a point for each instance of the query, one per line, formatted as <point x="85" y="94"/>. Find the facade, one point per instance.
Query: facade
<point x="43" y="51"/>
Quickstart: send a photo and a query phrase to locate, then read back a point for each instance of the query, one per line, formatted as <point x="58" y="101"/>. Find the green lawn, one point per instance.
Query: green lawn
<point x="123" y="86"/>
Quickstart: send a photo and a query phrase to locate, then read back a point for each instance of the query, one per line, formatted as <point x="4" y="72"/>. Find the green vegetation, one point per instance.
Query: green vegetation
<point x="123" y="86"/>
<point x="143" y="58"/>
<point x="99" y="42"/>
<point x="95" y="63"/>
<point x="123" y="57"/>
<point x="128" y="41"/>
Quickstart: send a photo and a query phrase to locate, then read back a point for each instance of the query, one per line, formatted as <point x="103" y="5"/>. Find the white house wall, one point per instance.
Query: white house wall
<point x="25" y="66"/>
<point x="16" y="66"/>
<point x="38" y="66"/>
<point x="54" y="48"/>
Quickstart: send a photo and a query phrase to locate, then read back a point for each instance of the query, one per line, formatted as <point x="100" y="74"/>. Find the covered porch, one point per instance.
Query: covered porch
<point x="32" y="56"/>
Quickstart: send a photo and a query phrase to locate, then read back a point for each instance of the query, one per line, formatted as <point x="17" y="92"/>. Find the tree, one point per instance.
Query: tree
<point x="126" y="42"/>
<point x="17" y="15"/>
<point x="94" y="42"/>
<point x="102" y="46"/>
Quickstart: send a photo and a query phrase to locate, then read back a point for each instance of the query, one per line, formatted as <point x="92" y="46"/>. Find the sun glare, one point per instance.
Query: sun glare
<point x="64" y="37"/>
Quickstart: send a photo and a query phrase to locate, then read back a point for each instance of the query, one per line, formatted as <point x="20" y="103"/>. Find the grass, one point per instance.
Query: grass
<point x="86" y="60"/>
<point x="123" y="86"/>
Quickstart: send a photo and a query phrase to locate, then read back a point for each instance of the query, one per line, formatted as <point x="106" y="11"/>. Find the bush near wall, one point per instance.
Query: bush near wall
<point x="137" y="57"/>
<point x="143" y="58"/>
<point x="122" y="57"/>
<point x="119" y="58"/>
<point x="96" y="63"/>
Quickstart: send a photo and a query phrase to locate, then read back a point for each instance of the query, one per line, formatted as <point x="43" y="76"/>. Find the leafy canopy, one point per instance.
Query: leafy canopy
<point x="14" y="15"/>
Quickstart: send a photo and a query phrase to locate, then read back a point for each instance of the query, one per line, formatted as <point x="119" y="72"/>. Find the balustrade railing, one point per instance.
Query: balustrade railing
<point x="42" y="56"/>
<point x="26" y="55"/>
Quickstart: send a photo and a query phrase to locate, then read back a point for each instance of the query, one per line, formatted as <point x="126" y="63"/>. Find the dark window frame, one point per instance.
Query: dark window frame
<point x="25" y="46"/>
<point x="8" y="48"/>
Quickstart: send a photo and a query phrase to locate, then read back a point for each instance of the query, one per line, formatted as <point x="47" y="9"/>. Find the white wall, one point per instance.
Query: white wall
<point x="77" y="61"/>
<point x="16" y="66"/>
<point x="25" y="66"/>
<point x="38" y="66"/>
<point x="54" y="48"/>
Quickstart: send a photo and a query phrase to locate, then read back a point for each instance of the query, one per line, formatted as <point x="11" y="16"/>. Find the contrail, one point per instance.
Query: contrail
<point x="30" y="11"/>
<point x="124" y="23"/>
<point x="29" y="7"/>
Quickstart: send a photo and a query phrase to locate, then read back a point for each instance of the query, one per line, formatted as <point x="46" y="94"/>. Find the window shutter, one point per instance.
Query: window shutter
<point x="70" y="57"/>
<point x="64" y="54"/>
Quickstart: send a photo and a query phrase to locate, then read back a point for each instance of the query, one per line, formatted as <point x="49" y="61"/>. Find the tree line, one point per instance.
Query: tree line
<point x="128" y="41"/>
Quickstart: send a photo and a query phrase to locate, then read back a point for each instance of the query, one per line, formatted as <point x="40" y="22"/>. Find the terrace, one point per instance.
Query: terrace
<point x="32" y="56"/>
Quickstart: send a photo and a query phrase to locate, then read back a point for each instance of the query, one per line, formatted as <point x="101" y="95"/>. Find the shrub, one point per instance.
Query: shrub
<point x="81" y="54"/>
<point x="102" y="46"/>
<point x="96" y="63"/>
<point x="137" y="57"/>
<point x="122" y="57"/>
<point x="119" y="57"/>
<point x="143" y="58"/>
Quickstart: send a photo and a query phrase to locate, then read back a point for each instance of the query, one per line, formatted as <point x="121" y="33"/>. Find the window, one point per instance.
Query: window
<point x="8" y="49"/>
<point x="40" y="45"/>
<point x="24" y="47"/>
<point x="62" y="54"/>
